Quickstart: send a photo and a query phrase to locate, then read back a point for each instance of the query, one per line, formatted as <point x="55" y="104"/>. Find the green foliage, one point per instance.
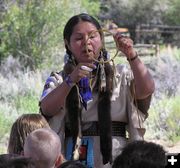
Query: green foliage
<point x="5" y="123"/>
<point x="5" y="126"/>
<point x="33" y="29"/>
<point x="155" y="122"/>
<point x="130" y="13"/>
<point x="163" y="121"/>
<point x="172" y="15"/>
<point x="92" y="6"/>
<point x="26" y="104"/>
<point x="176" y="53"/>
<point x="173" y="120"/>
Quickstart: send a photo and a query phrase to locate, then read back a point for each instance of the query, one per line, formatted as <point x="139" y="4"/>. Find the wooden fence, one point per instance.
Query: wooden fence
<point x="142" y="49"/>
<point x="147" y="49"/>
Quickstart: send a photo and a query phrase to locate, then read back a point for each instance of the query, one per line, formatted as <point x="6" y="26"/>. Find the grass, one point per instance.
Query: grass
<point x="164" y="120"/>
<point x="5" y="125"/>
<point x="27" y="104"/>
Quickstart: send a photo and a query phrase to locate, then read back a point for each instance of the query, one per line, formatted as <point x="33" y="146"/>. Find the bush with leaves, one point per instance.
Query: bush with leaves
<point x="172" y="15"/>
<point x="130" y="13"/>
<point x="33" y="29"/>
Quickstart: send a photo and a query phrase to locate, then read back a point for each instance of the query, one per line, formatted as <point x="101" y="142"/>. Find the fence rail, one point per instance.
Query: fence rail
<point x="142" y="49"/>
<point x="147" y="49"/>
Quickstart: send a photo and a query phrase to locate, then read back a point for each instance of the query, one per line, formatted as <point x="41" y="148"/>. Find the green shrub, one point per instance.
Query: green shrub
<point x="26" y="104"/>
<point x="32" y="29"/>
<point x="164" y="120"/>
<point x="5" y="123"/>
<point x="173" y="120"/>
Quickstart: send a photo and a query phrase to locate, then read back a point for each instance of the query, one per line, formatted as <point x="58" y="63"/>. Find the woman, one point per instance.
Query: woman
<point x="90" y="101"/>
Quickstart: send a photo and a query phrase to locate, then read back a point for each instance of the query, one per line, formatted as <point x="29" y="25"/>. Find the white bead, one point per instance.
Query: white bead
<point x="83" y="67"/>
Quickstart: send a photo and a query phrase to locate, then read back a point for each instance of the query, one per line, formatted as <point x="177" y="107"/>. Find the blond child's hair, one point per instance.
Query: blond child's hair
<point x="22" y="127"/>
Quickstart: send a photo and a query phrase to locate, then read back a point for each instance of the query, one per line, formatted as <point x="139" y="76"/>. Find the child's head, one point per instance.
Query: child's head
<point x="24" y="125"/>
<point x="14" y="161"/>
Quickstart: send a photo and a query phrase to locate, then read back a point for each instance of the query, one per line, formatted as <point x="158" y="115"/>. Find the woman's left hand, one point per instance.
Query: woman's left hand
<point x="125" y="45"/>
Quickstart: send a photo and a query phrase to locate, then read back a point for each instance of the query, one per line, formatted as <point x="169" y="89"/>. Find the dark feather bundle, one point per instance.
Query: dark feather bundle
<point x="73" y="106"/>
<point x="104" y="116"/>
<point x="74" y="109"/>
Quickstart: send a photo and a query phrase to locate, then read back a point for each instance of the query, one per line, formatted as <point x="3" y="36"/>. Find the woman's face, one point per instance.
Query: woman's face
<point x="80" y="38"/>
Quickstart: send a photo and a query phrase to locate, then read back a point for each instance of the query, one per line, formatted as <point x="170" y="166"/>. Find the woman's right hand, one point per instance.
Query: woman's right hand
<point x="81" y="70"/>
